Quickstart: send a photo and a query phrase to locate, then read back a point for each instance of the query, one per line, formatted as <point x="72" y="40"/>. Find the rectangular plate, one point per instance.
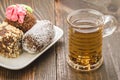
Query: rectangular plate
<point x="26" y="58"/>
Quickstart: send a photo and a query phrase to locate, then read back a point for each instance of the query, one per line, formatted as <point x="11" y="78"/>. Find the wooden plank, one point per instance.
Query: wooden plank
<point x="106" y="72"/>
<point x="44" y="68"/>
<point x="61" y="45"/>
<point x="108" y="61"/>
<point x="113" y="53"/>
<point x="24" y="74"/>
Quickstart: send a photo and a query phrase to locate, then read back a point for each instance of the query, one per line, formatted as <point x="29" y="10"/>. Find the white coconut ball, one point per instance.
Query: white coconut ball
<point x="38" y="37"/>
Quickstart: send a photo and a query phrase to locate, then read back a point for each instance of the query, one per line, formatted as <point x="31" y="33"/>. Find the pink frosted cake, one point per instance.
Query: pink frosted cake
<point x="20" y="16"/>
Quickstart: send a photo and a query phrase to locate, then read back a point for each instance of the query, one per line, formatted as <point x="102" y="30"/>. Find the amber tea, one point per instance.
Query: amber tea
<point x="85" y="45"/>
<point x="87" y="27"/>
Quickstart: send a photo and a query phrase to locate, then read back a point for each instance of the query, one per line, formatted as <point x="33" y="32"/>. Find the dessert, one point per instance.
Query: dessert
<point x="10" y="40"/>
<point x="38" y="37"/>
<point x="20" y="16"/>
<point x="20" y="20"/>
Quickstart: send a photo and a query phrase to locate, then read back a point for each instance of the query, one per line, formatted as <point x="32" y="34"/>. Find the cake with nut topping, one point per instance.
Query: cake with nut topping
<point x="10" y="40"/>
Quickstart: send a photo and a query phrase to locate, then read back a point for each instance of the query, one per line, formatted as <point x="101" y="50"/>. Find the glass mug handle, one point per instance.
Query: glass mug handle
<point x="110" y="25"/>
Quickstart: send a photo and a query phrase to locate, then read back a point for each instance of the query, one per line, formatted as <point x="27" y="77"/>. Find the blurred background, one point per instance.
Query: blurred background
<point x="111" y="7"/>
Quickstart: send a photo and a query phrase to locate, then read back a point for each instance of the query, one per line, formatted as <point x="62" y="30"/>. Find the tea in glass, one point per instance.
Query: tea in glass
<point x="86" y="28"/>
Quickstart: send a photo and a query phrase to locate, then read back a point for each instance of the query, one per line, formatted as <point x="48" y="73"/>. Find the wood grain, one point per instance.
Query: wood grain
<point x="52" y="64"/>
<point x="61" y="45"/>
<point x="110" y="68"/>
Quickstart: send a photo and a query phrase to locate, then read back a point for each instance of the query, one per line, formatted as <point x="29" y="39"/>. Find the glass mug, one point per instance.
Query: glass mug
<point x="87" y="27"/>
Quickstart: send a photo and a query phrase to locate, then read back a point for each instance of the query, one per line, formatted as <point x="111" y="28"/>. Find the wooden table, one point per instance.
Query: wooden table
<point x="52" y="64"/>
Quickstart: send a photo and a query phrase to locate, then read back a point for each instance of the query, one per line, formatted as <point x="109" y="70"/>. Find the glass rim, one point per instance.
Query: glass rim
<point x="96" y="12"/>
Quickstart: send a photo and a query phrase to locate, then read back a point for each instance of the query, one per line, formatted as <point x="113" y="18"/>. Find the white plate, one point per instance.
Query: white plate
<point x="25" y="58"/>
